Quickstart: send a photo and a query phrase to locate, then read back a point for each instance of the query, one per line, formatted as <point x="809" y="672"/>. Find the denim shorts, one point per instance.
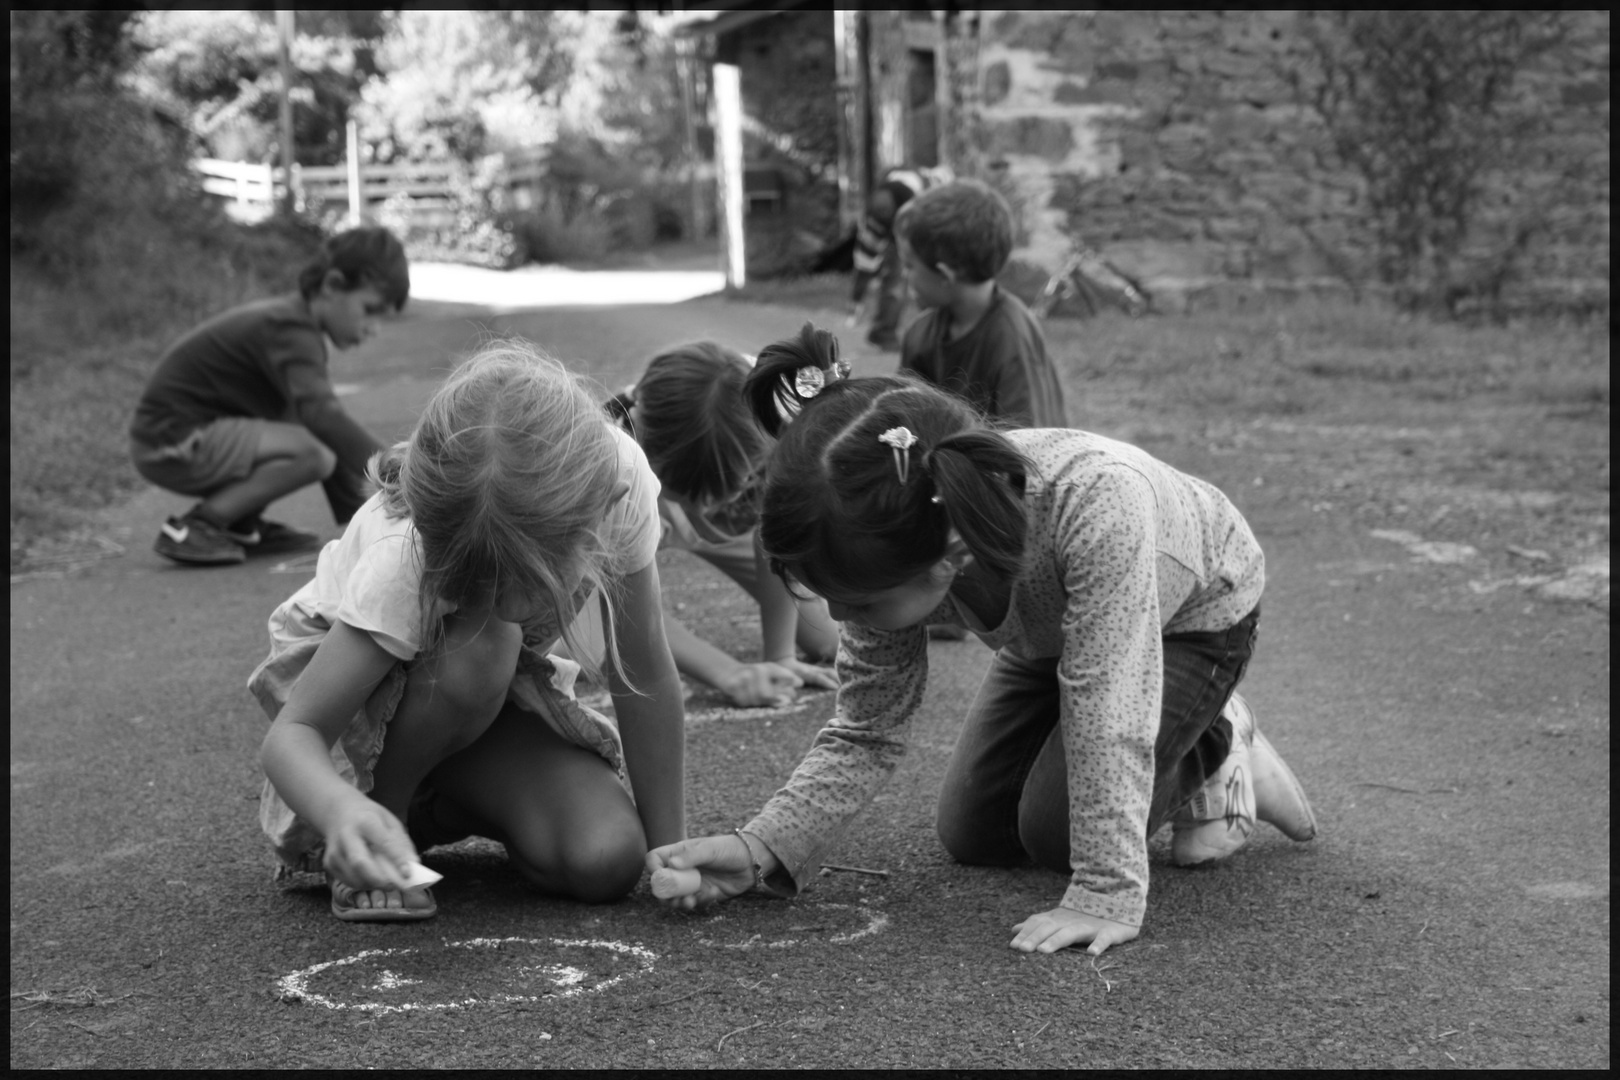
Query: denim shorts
<point x="214" y="455"/>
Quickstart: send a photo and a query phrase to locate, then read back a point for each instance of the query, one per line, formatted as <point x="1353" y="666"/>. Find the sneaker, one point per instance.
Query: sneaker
<point x="1220" y="818"/>
<point x="196" y="542"/>
<point x="1279" y="800"/>
<point x="1254" y="783"/>
<point x="262" y="537"/>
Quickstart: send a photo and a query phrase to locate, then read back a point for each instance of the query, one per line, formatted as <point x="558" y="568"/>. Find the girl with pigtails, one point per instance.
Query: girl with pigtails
<point x="1121" y="598"/>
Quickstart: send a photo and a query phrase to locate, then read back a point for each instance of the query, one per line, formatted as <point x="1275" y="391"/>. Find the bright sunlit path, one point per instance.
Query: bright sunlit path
<point x="558" y="286"/>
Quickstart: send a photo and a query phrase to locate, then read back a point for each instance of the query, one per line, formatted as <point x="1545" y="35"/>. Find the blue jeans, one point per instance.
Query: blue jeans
<point x="1006" y="792"/>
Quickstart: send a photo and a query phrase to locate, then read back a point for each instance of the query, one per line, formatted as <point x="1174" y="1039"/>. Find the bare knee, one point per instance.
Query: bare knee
<point x="597" y="865"/>
<point x="311" y="459"/>
<point x="319" y="460"/>
<point x="469" y="678"/>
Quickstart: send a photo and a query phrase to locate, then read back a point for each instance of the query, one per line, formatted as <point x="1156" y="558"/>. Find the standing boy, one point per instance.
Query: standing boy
<point x="241" y="410"/>
<point x="973" y="338"/>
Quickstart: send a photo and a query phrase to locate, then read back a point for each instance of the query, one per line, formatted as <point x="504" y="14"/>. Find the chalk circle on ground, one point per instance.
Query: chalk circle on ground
<point x="461" y="974"/>
<point x="803" y="923"/>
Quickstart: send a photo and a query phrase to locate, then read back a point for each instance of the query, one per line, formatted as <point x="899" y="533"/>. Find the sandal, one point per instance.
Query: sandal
<point x="344" y="907"/>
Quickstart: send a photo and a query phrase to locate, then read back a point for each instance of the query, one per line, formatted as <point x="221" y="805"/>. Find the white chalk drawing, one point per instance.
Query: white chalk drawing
<point x="369" y="981"/>
<point x="867" y="923"/>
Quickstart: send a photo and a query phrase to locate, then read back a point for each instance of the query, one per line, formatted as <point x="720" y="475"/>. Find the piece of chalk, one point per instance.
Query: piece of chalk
<point x="668" y="883"/>
<point x="417" y="875"/>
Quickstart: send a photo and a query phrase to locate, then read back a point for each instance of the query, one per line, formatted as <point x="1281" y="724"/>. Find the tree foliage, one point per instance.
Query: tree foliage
<point x="1424" y="106"/>
<point x="220" y="70"/>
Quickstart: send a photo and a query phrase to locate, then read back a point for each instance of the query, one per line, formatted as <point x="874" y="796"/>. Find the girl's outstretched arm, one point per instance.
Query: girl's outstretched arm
<point x="779" y="624"/>
<point x="651" y="722"/>
<point x="743" y="684"/>
<point x="366" y="845"/>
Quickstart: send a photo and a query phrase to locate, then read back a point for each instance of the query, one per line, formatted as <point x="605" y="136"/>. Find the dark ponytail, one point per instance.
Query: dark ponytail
<point x="773" y="388"/>
<point x="979" y="478"/>
<point x="838" y="512"/>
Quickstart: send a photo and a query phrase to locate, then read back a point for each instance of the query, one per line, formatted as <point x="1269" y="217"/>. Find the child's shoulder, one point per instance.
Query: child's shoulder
<point x="285" y="307"/>
<point x="1010" y="309"/>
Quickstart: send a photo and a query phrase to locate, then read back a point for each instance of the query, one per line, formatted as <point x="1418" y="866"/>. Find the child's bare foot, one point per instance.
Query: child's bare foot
<point x="381" y="905"/>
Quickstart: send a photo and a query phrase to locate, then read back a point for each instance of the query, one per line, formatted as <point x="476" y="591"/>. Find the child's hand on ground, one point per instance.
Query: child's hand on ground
<point x="1061" y="927"/>
<point x="368" y="848"/>
<point x="758" y="684"/>
<point x="811" y="675"/>
<point x="725" y="863"/>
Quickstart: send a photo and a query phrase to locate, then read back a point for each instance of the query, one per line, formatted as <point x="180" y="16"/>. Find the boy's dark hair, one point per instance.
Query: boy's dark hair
<point x="964" y="224"/>
<point x="370" y="255"/>
<point x="835" y="514"/>
<point x="693" y="424"/>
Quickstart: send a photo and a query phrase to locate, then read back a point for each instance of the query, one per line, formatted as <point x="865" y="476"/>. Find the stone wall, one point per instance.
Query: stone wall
<point x="1172" y="142"/>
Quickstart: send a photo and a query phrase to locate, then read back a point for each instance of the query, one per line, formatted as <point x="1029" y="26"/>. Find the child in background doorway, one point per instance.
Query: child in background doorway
<point x="877" y="257"/>
<point x="412" y="695"/>
<point x="1121" y="597"/>
<point x="241" y="410"/>
<point x="689" y="416"/>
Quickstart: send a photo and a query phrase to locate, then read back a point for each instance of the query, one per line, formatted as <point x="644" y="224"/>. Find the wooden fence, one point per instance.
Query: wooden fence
<point x="251" y="190"/>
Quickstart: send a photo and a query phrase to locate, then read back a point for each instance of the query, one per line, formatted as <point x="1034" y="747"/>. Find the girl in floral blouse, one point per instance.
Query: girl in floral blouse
<point x="1121" y="597"/>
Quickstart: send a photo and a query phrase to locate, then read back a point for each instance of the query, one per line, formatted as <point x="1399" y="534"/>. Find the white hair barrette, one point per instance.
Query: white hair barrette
<point x="900" y="440"/>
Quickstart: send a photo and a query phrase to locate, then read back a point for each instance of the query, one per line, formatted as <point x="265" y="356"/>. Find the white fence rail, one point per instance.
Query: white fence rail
<point x="251" y="190"/>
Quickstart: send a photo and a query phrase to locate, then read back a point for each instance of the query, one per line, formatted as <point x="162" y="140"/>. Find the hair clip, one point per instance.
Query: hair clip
<point x="810" y="380"/>
<point x="900" y="440"/>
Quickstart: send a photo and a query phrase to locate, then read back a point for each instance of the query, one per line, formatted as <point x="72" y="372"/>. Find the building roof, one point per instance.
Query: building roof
<point x="732" y="17"/>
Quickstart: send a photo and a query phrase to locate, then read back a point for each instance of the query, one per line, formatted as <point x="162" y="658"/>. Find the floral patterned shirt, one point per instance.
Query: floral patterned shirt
<point x="1121" y="549"/>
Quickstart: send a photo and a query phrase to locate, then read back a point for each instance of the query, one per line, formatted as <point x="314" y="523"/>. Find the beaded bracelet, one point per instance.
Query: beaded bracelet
<point x="759" y="871"/>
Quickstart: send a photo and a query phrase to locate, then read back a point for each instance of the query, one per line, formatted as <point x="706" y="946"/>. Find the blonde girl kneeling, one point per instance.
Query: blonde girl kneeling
<point x="412" y="694"/>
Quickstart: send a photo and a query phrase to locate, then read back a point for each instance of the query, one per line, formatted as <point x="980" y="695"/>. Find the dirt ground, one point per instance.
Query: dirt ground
<point x="1434" y="664"/>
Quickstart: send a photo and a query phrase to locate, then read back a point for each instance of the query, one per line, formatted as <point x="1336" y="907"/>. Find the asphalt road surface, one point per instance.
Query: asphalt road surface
<point x="1453" y="912"/>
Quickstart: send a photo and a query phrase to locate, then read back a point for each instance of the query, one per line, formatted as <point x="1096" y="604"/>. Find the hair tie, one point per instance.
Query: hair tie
<point x="810" y="380"/>
<point x="900" y="440"/>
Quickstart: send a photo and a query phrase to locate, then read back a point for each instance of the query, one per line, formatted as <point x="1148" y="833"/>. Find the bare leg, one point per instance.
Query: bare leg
<point x="288" y="458"/>
<point x="450" y="701"/>
<point x="569" y="827"/>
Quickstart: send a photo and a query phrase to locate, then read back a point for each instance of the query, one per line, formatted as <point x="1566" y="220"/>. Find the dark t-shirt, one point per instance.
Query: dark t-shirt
<point x="1000" y="365"/>
<point x="266" y="359"/>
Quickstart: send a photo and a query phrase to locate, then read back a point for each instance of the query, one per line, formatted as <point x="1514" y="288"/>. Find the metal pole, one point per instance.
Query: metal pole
<point x="846" y="58"/>
<point x="728" y="148"/>
<point x="284" y="31"/>
<point x="685" y="62"/>
<point x="357" y="195"/>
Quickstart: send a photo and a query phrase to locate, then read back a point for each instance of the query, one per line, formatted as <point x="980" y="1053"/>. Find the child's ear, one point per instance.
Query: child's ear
<point x="334" y="281"/>
<point x="955" y="557"/>
<point x="620" y="490"/>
